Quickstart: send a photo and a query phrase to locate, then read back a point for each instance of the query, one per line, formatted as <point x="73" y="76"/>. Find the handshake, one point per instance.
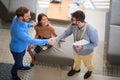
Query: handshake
<point x="52" y="41"/>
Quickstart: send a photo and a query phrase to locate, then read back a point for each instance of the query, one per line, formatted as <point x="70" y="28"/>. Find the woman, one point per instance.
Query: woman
<point x="44" y="30"/>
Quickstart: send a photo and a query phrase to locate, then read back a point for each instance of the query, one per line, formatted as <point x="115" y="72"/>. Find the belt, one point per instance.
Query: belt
<point x="40" y="37"/>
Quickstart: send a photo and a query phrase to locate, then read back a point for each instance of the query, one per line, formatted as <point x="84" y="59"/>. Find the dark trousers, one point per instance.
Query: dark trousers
<point x="37" y="49"/>
<point x="18" y="58"/>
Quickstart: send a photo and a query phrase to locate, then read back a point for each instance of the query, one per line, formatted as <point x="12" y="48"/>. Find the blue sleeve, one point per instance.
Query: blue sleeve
<point x="93" y="36"/>
<point x="26" y="38"/>
<point x="30" y="25"/>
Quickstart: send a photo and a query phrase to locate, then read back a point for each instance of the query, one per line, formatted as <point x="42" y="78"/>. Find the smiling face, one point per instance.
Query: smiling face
<point x="44" y="21"/>
<point x="80" y="24"/>
<point x="23" y="14"/>
<point x="77" y="22"/>
<point x="78" y="18"/>
<point x="26" y="16"/>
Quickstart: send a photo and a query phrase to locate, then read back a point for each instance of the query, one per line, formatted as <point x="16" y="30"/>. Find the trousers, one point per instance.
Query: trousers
<point x="87" y="61"/>
<point x="18" y="58"/>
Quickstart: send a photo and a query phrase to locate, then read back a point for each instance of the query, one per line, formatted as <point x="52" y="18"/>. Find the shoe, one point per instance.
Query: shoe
<point x="15" y="78"/>
<point x="31" y="64"/>
<point x="87" y="74"/>
<point x="25" y="68"/>
<point x="72" y="72"/>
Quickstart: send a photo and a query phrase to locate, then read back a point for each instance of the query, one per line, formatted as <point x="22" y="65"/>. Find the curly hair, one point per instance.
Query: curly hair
<point x="21" y="11"/>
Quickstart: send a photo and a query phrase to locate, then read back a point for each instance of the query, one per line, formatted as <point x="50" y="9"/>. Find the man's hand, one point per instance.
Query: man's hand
<point x="79" y="47"/>
<point x="51" y="41"/>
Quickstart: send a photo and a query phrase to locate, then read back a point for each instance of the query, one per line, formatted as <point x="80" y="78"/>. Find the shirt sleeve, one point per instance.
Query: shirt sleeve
<point x="65" y="34"/>
<point x="30" y="25"/>
<point x="93" y="36"/>
<point x="26" y="38"/>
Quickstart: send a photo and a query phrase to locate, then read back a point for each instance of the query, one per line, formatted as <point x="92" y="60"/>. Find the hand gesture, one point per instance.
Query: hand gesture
<point x="62" y="40"/>
<point x="34" y="23"/>
<point x="51" y="41"/>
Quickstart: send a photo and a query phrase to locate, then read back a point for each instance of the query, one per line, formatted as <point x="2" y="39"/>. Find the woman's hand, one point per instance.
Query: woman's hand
<point x="62" y="40"/>
<point x="34" y="23"/>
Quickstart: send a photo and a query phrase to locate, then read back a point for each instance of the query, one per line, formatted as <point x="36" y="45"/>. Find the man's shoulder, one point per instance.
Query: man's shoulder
<point x="14" y="19"/>
<point x="91" y="28"/>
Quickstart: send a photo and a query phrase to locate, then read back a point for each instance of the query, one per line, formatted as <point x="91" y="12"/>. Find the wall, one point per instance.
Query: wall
<point x="6" y="3"/>
<point x="30" y="4"/>
<point x="114" y="33"/>
<point x="97" y="19"/>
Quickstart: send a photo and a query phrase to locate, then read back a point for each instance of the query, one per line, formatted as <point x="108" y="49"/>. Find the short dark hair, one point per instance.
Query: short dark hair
<point x="79" y="15"/>
<point x="21" y="11"/>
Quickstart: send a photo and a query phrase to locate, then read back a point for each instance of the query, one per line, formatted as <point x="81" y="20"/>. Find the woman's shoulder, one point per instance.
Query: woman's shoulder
<point x="50" y="25"/>
<point x="36" y="27"/>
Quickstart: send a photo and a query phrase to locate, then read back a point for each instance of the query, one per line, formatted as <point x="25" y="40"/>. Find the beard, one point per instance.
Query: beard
<point x="73" y="24"/>
<point x="26" y="20"/>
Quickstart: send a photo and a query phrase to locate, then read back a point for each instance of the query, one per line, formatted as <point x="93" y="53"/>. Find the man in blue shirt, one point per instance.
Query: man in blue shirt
<point x="81" y="30"/>
<point x="20" y="39"/>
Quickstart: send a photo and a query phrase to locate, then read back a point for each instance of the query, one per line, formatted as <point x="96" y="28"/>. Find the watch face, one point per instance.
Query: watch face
<point x="44" y="48"/>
